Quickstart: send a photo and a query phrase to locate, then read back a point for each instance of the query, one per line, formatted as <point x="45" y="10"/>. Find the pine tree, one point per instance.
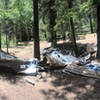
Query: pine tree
<point x="36" y="30"/>
<point x="73" y="31"/>
<point x="52" y="22"/>
<point x="98" y="30"/>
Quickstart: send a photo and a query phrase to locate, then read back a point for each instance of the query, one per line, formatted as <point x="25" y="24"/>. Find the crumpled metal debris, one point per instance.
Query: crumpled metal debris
<point x="31" y="68"/>
<point x="56" y="58"/>
<point x="94" y="66"/>
<point x="16" y="65"/>
<point x="82" y="65"/>
<point x="59" y="59"/>
<point x="88" y="68"/>
<point x="29" y="81"/>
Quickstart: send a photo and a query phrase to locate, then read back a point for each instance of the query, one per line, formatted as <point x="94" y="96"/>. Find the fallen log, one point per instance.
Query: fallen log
<point x="12" y="66"/>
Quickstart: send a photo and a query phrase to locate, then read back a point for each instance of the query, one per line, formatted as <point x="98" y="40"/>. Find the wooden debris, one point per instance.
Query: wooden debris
<point x="81" y="70"/>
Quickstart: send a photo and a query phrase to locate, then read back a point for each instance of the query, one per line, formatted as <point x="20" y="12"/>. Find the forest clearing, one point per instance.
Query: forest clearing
<point x="49" y="49"/>
<point x="27" y="52"/>
<point x="54" y="86"/>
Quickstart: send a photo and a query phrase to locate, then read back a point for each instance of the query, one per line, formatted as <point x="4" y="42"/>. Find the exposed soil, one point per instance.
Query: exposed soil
<point x="54" y="86"/>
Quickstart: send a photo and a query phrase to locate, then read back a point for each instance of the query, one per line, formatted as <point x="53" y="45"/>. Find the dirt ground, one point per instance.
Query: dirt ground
<point x="54" y="86"/>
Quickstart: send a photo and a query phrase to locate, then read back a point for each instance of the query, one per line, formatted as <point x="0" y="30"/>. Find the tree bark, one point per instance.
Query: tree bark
<point x="74" y="37"/>
<point x="91" y="26"/>
<point x="52" y="18"/>
<point x="7" y="42"/>
<point x="73" y="31"/>
<point x="36" y="30"/>
<point x="24" y="35"/>
<point x="98" y="31"/>
<point x="0" y="36"/>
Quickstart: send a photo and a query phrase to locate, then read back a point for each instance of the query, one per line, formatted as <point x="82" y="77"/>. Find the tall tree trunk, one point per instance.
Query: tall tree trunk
<point x="73" y="31"/>
<point x="91" y="26"/>
<point x="0" y="36"/>
<point x="0" y="40"/>
<point x="52" y="18"/>
<point x="74" y="37"/>
<point x="36" y="30"/>
<point x="24" y="35"/>
<point x="98" y="31"/>
<point x="7" y="42"/>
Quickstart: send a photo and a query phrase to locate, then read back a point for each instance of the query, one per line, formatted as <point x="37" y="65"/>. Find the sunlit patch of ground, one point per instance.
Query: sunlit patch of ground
<point x="55" y="86"/>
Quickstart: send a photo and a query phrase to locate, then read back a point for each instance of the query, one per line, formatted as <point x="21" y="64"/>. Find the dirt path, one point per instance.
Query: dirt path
<point x="55" y="86"/>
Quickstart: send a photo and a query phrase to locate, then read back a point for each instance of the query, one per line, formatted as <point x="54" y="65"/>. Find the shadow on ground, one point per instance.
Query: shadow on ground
<point x="65" y="86"/>
<point x="72" y="87"/>
<point x="11" y="77"/>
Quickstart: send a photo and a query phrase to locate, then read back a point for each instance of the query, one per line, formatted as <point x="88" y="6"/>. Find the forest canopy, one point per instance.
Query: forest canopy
<point x="57" y="19"/>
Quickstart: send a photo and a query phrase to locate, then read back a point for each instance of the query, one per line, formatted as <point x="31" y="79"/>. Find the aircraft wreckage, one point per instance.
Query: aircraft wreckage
<point x="83" y="65"/>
